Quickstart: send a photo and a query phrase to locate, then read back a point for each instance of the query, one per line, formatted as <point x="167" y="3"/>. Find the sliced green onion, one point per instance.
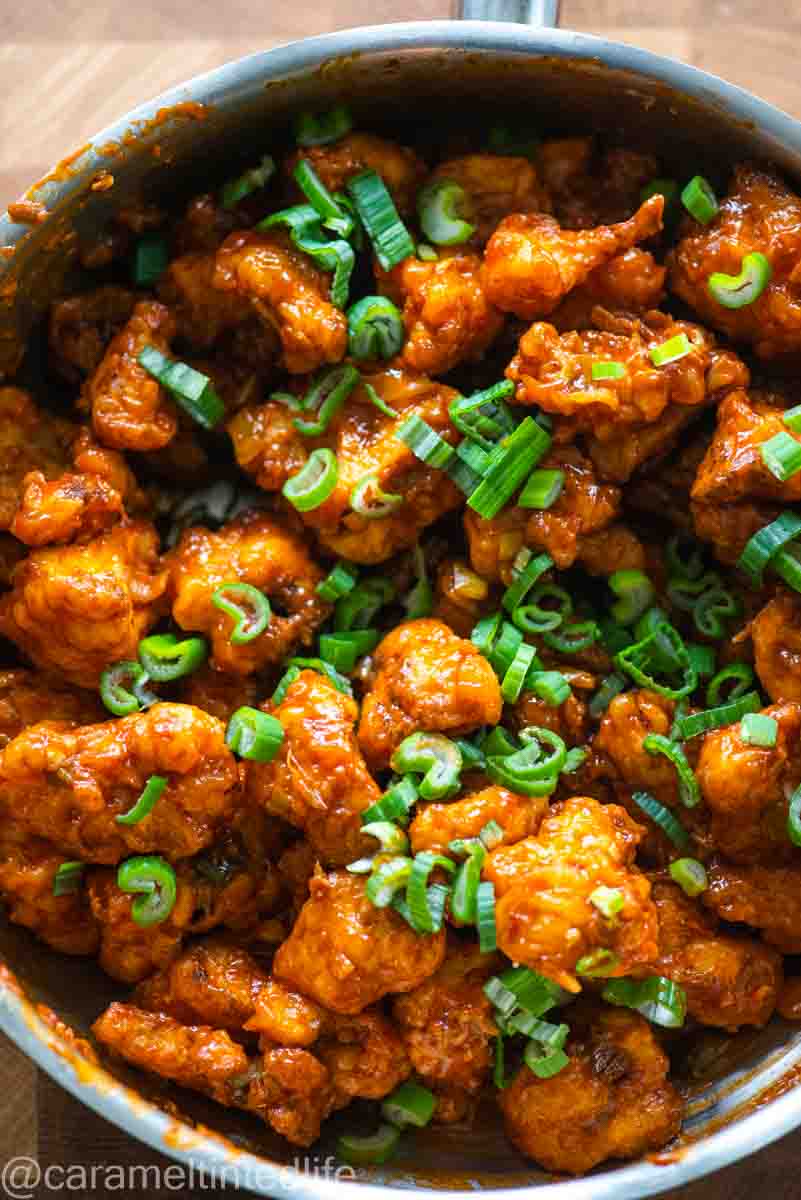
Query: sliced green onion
<point x="372" y="1149"/>
<point x="543" y="488"/>
<point x="67" y="879"/>
<point x="388" y="878"/>
<point x="484" y="417"/>
<point x="249" y="181"/>
<point x="758" y="729"/>
<point x="533" y="618"/>
<point x="426" y="253"/>
<point x="342" y="650"/>
<point x="742" y="675"/>
<point x="150" y="261"/>
<point x="515" y="676"/>
<point x="691" y="567"/>
<point x="285" y="682"/>
<point x="441" y="206"/>
<point x="505" y="648"/>
<point x="357" y="609"/>
<point x="571" y="639"/>
<point x="254" y="735"/>
<point x="419" y="600"/>
<point x="166" y="657"/>
<point x="485" y="917"/>
<point x="369" y="500"/>
<point x="247" y="606"/>
<point x="710" y="607"/>
<point x="792" y="418"/>
<point x="473" y="756"/>
<point x="498" y="1068"/>
<point x="485" y="633"/>
<point x="389" y="236"/>
<point x="690" y="875"/>
<point x="433" y="756"/>
<point x="525" y="580"/>
<point x="314" y="483"/>
<point x="321" y="200"/>
<point x="340" y="580"/>
<point x="530" y="771"/>
<point x="600" y="964"/>
<point x="498" y="743"/>
<point x="154" y="879"/>
<point x="794" y="818"/>
<point x="689" y="791"/>
<point x="636" y="593"/>
<point x="762" y="547"/>
<point x="375" y="328"/>
<point x="781" y="454"/>
<point x="659" y="1000"/>
<point x="520" y="987"/>
<point x="192" y="390"/>
<point x="671" y="351"/>
<point x="702" y="658"/>
<point x="153" y="790"/>
<point x="788" y="565"/>
<point x="738" y="291"/>
<point x="664" y="818"/>
<point x="378" y="402"/>
<point x="392" y="839"/>
<point x="716" y="718"/>
<point x="121" y="700"/>
<point x="340" y="682"/>
<point x="336" y="255"/>
<point x="409" y="1104"/>
<point x="425" y="916"/>
<point x="608" y="901"/>
<point x="511" y="462"/>
<point x="683" y="593"/>
<point x="610" y="687"/>
<point x="326" y="397"/>
<point x="544" y="1063"/>
<point x="550" y="686"/>
<point x="616" y="638"/>
<point x="634" y="659"/>
<point x="395" y="805"/>
<point x="318" y="129"/>
<point x="424" y="442"/>
<point x="608" y="370"/>
<point x="464" y="897"/>
<point x="699" y="198"/>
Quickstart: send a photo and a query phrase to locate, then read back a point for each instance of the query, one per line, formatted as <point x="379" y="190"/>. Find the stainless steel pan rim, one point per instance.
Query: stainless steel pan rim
<point x="227" y="86"/>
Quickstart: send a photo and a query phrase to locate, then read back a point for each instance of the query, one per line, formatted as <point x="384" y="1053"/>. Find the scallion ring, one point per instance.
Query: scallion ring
<point x="572" y="639"/>
<point x="542" y="489"/>
<point x="340" y="580"/>
<point x="375" y="328"/>
<point x="357" y="609"/>
<point x="249" y="181"/>
<point x="689" y="791"/>
<point x="248" y="607"/>
<point x="321" y="200"/>
<point x="443" y="208"/>
<point x="781" y="454"/>
<point x="737" y="291"/>
<point x="759" y="729"/>
<point x="343" y="650"/>
<point x="150" y="260"/>
<point x="326" y="397"/>
<point x="690" y="875"/>
<point x="700" y="200"/>
<point x="635" y="594"/>
<point x="550" y="686"/>
<point x="254" y="735"/>
<point x="119" y="699"/>
<point x="659" y="1000"/>
<point x="369" y="500"/>
<point x="663" y="817"/>
<point x="68" y="877"/>
<point x="371" y="1149"/>
<point x="166" y="657"/>
<point x="765" y="544"/>
<point x="192" y="390"/>
<point x="741" y="675"/>
<point x="533" y="618"/>
<point x="377" y="211"/>
<point x="409" y="1104"/>
<point x="691" y="725"/>
<point x="433" y="756"/>
<point x="153" y="790"/>
<point x="315" y="481"/>
<point x="154" y="879"/>
<point x="671" y="351"/>
<point x="464" y="895"/>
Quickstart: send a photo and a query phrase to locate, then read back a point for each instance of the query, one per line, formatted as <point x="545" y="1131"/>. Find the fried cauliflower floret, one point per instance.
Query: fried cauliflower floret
<point x="426" y="678"/>
<point x="729" y="527"/>
<point x="628" y="720"/>
<point x="436" y="825"/>
<point x="266" y="443"/>
<point x="318" y="781"/>
<point x="81" y="327"/>
<point x="760" y="214"/>
<point x="745" y="788"/>
<point x="447" y="316"/>
<point x="365" y="1056"/>
<point x="27" y="697"/>
<point x="292" y="1093"/>
<point x="494" y="542"/>
<point x="285" y="1017"/>
<point x="733" y="467"/>
<point x="285" y="290"/>
<point x="202" y="312"/>
<point x="729" y="981"/>
<point x="631" y="282"/>
<point x="69" y="784"/>
<point x="255" y="549"/>
<point x="460" y="596"/>
<point x="346" y="954"/>
<point x="616" y="548"/>
<point x="776" y="636"/>
<point x="101" y="596"/>
<point x="584" y="507"/>
<point x="531" y="263"/>
<point x="219" y="694"/>
<point x="612" y="1100"/>
<point x="129" y="951"/>
<point x="495" y="186"/>
<point x="544" y="914"/>
<point x="28" y="867"/>
<point x="30" y="441"/>
<point x="447" y="1025"/>
<point x="400" y="168"/>
<point x="569" y="719"/>
<point x="767" y="898"/>
<point x="130" y="409"/>
<point x="591" y="188"/>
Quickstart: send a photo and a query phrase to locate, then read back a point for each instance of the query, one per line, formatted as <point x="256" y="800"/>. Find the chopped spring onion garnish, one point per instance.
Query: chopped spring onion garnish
<point x="571" y="639"/>
<point x="284" y="683"/>
<point x="516" y="673"/>
<point x="761" y="548"/>
<point x="543" y="1032"/>
<point x="340" y="682"/>
<point x="610" y="687"/>
<point x="193" y="391"/>
<point x="387" y="879"/>
<point x="375" y="328"/>
<point x="498" y="743"/>
<point x="689" y="791"/>
<point x="716" y="718"/>
<point x="794" y="818"/>
<point x="485" y="633"/>
<point x="635" y="661"/>
<point x="357" y="609"/>
<point x="409" y="1104"/>
<point x="659" y="1000"/>
<point x="636" y="593"/>
<point x="700" y="200"/>
<point x="758" y="729"/>
<point x="442" y="206"/>
<point x="419" y="600"/>
<point x="369" y="500"/>
<point x="485" y="917"/>
<point x="740" y="673"/>
<point x="388" y="234"/>
<point x="67" y="878"/>
<point x="146" y="802"/>
<point x="737" y="291"/>
<point x="329" y="254"/>
<point x="395" y="805"/>
<point x="710" y="607"/>
<point x="464" y="896"/>
<point x="150" y="259"/>
<point x="664" y="818"/>
<point x="533" y="618"/>
<point x="165" y="657"/>
<point x="600" y="964"/>
<point x="510" y="463"/>
<point x="781" y="454"/>
<point x="503" y="652"/>
<point x="119" y="699"/>
<point x="792" y="418"/>
<point x="318" y="129"/>
<point x="321" y="200"/>
<point x="530" y="771"/>
<point x="249" y="181"/>
<point x="689" y="567"/>
<point x="314" y="482"/>
<point x="502" y="139"/>
<point x="484" y="417"/>
<point x="247" y="607"/>
<point x="616" y="638"/>
<point x="787" y="564"/>
<point x="426" y="916"/>
<point x="524" y="581"/>
<point x="608" y="370"/>
<point x="254" y="735"/>
<point x="550" y="686"/>
<point x="499" y="1068"/>
<point x="154" y="879"/>
<point x="424" y="442"/>
<point x="392" y="839"/>
<point x="671" y="351"/>
<point x="661" y="187"/>
<point x="436" y="758"/>
<point x="543" y="488"/>
<point x="702" y="658"/>
<point x="472" y="757"/>
<point x="340" y="580"/>
<point x="468" y="466"/>
<point x="544" y="1063"/>
<point x="342" y="650"/>
<point x="377" y="401"/>
<point x="326" y="397"/>
<point x="690" y="875"/>
<point x="372" y="1149"/>
<point x="520" y="987"/>
<point x="426" y="253"/>
<point x="683" y="593"/>
<point x="608" y="901"/>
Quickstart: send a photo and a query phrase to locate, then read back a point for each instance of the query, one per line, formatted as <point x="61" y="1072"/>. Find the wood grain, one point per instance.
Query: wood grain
<point x="69" y="67"/>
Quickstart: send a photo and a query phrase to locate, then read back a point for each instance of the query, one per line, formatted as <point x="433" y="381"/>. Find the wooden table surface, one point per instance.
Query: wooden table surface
<point x="69" y="67"/>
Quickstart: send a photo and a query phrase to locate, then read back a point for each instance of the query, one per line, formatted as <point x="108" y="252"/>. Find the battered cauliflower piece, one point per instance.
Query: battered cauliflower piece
<point x="285" y="1017"/>
<point x="292" y="1093"/>
<point x="346" y="954"/>
<point x="584" y="507"/>
<point x="102" y="596"/>
<point x="266" y="443"/>
<point x="495" y="185"/>
<point x="729" y="527"/>
<point x="531" y="262"/>
<point x="616" y="548"/>
<point x="130" y="409"/>
<point x="612" y="1100"/>
<point x="591" y="188"/>
<point x="569" y="719"/>
<point x="628" y="720"/>
<point x="81" y="327"/>
<point x="400" y="168"/>
<point x="733" y="468"/>
<point x="426" y="678"/>
<point x="544" y="914"/>
<point x="745" y="788"/>
<point x="69" y="784"/>
<point x="128" y="951"/>
<point x="30" y="441"/>
<point x="202" y="312"/>
<point x="447" y="316"/>
<point x="364" y="1055"/>
<point x="436" y="825"/>
<point x="631" y="282"/>
<point x="461" y="596"/>
<point x="259" y="550"/>
<point x="760" y="214"/>
<point x="768" y="898"/>
<point x="28" y="867"/>
<point x="27" y="697"/>
<point x="494" y="542"/>
<point x="776" y="636"/>
<point x="286" y="291"/>
<point x="218" y="693"/>
<point x="729" y="981"/>
<point x="447" y="1026"/>
<point x="318" y="780"/>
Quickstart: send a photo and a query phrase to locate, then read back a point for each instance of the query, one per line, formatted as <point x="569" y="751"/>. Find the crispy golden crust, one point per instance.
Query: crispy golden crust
<point x="436" y="825"/>
<point x="81" y="327"/>
<point x="766" y="897"/>
<point x="495" y="185"/>
<point x="776" y="635"/>
<point x="365" y="1056"/>
<point x="28" y="867"/>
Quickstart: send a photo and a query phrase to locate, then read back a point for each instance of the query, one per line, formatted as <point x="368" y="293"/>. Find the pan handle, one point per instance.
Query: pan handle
<point x="526" y="12"/>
